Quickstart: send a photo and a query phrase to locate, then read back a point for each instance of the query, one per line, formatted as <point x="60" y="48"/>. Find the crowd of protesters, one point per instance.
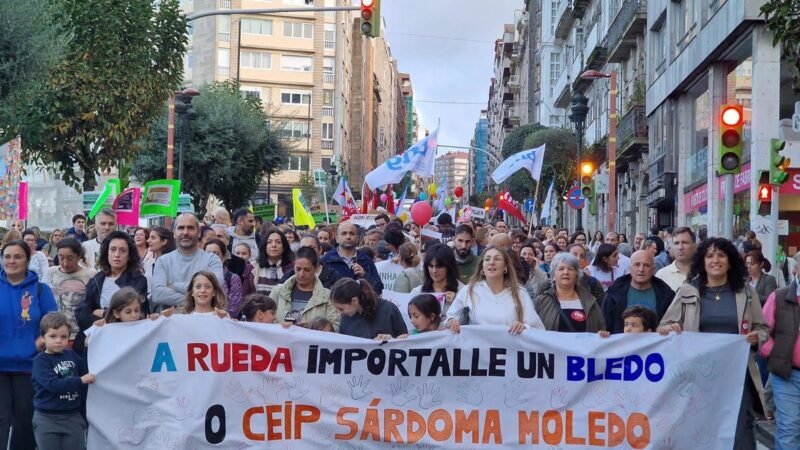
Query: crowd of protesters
<point x="56" y="291"/>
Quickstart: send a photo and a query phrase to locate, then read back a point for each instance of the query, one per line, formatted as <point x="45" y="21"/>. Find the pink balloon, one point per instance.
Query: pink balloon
<point x="384" y="198"/>
<point x="421" y="212"/>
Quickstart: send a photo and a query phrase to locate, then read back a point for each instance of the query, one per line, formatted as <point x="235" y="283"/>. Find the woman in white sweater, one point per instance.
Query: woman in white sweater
<point x="494" y="297"/>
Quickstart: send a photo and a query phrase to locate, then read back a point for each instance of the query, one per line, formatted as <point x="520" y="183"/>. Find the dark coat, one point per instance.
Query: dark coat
<point x="616" y="301"/>
<point x="334" y="262"/>
<point x="85" y="312"/>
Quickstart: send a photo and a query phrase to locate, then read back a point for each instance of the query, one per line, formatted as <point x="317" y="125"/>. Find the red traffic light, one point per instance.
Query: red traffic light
<point x="765" y="193"/>
<point x="731" y="116"/>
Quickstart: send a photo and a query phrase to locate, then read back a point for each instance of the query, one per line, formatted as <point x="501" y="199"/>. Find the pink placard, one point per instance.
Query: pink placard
<point x="126" y="205"/>
<point x="22" y="199"/>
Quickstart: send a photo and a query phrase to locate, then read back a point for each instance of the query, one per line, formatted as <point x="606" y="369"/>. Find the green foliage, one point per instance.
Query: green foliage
<point x="122" y="62"/>
<point x="228" y="152"/>
<point x="31" y="43"/>
<point x="783" y="20"/>
<point x="307" y="187"/>
<point x="559" y="159"/>
<point x="515" y="142"/>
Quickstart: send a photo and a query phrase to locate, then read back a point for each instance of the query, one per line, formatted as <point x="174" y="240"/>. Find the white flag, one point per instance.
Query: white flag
<point x="342" y="195"/>
<point x="548" y="202"/>
<point x="419" y="158"/>
<point x="527" y="159"/>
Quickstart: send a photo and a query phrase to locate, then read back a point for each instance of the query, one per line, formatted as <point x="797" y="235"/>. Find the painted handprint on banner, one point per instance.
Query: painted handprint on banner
<point x="235" y="392"/>
<point x="515" y="394"/>
<point x="470" y="393"/>
<point x="627" y="400"/>
<point x="681" y="378"/>
<point x="130" y="436"/>
<point x="707" y="365"/>
<point x="596" y="395"/>
<point x="402" y="392"/>
<point x="295" y="389"/>
<point x="183" y="408"/>
<point x="159" y="441"/>
<point x="428" y="396"/>
<point x="358" y="387"/>
<point x="558" y="398"/>
<point x="147" y="385"/>
<point x="330" y="395"/>
<point x="266" y="392"/>
<point x="147" y="414"/>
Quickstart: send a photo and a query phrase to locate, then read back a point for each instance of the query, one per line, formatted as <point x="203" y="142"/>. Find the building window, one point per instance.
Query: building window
<point x="326" y="163"/>
<point x="257" y="26"/>
<point x="555" y="121"/>
<point x="223" y="62"/>
<point x="327" y="64"/>
<point x="293" y="97"/>
<point x="659" y="42"/>
<point x="256" y="60"/>
<point x="685" y="21"/>
<point x="300" y="30"/>
<point x="295" y="129"/>
<point x="555" y="71"/>
<point x="327" y="131"/>
<point x="579" y="38"/>
<point x="327" y="97"/>
<point x="297" y="63"/>
<point x="553" y="17"/>
<point x="251" y="90"/>
<point x="297" y="163"/>
<point x="330" y="36"/>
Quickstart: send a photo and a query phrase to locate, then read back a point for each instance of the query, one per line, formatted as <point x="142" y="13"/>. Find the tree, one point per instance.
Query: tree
<point x="31" y="43"/>
<point x="121" y="64"/>
<point x="783" y="20"/>
<point x="228" y="152"/>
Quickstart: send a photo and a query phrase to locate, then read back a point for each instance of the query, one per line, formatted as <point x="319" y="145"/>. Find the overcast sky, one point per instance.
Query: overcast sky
<point x="457" y="69"/>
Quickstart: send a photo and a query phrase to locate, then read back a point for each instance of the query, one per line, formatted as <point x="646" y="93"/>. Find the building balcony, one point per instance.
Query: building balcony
<point x="512" y="115"/>
<point x="565" y="19"/>
<point x="632" y="133"/>
<point x="630" y="23"/>
<point x="327" y="78"/>
<point x="596" y="52"/>
<point x="513" y="83"/>
<point x="579" y="8"/>
<point x="327" y="111"/>
<point x="327" y="144"/>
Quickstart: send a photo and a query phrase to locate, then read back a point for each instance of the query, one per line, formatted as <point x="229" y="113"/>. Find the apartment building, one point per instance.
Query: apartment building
<point x="479" y="160"/>
<point x="505" y="105"/>
<point x="452" y="168"/>
<point x="310" y="70"/>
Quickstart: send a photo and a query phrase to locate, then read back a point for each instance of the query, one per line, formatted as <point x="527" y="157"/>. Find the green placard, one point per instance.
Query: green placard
<point x="185" y="203"/>
<point x="319" y="217"/>
<point x="266" y="212"/>
<point x="160" y="198"/>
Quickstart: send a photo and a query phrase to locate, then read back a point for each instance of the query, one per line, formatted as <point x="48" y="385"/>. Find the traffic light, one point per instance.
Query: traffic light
<point x="778" y="164"/>
<point x="587" y="180"/>
<point x="730" y="139"/>
<point x="764" y="193"/>
<point x="371" y="18"/>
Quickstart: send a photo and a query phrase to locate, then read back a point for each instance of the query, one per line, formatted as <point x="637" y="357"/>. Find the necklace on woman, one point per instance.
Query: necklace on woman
<point x="716" y="292"/>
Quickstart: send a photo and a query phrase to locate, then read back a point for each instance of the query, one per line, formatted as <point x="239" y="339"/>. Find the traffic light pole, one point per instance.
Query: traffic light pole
<point x="727" y="211"/>
<point x="772" y="242"/>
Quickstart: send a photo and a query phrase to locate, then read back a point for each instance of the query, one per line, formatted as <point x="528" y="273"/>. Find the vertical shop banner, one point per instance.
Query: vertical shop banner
<point x="126" y="205"/>
<point x="10" y="176"/>
<point x="204" y="382"/>
<point x="160" y="198"/>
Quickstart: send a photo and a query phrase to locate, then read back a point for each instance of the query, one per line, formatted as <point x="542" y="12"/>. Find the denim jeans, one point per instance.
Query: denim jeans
<point x="787" y="415"/>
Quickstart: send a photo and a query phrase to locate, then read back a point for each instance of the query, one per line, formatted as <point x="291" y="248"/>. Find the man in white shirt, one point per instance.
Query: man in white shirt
<point x="682" y="250"/>
<point x="105" y="222"/>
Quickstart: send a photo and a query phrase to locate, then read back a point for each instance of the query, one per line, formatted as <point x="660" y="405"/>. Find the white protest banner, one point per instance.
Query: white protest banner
<point x="388" y="271"/>
<point x="401" y="300"/>
<point x="363" y="220"/>
<point x="419" y="159"/>
<point x="478" y="213"/>
<point x="425" y="232"/>
<point x="203" y="382"/>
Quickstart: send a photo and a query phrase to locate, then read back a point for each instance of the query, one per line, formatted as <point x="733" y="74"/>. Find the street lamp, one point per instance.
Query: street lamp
<point x="579" y="109"/>
<point x="186" y="114"/>
<point x="612" y="141"/>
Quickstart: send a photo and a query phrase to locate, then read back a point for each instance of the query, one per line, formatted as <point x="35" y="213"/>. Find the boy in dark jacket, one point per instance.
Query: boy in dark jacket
<point x="58" y="375"/>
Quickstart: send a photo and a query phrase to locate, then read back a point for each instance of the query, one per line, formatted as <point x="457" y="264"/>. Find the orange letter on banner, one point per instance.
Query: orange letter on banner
<point x="616" y="430"/>
<point x="391" y="419"/>
<point x="351" y="425"/>
<point x="304" y="414"/>
<point x="445" y="433"/>
<point x="638" y="420"/>
<point x="596" y="428"/>
<point x="570" y="439"/>
<point x="553" y="438"/>
<point x="491" y="427"/>
<point x="273" y="422"/>
<point x="246" y="422"/>
<point x="412" y="435"/>
<point x="468" y="424"/>
<point x="528" y="424"/>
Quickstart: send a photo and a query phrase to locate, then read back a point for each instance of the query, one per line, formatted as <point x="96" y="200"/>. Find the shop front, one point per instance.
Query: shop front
<point x="696" y="203"/>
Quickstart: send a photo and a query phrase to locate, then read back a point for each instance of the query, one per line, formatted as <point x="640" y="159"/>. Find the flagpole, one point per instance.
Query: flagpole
<point x="325" y="200"/>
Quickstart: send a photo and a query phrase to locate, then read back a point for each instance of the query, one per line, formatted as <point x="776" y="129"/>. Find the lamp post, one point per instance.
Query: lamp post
<point x="183" y="108"/>
<point x="579" y="110"/>
<point x="612" y="141"/>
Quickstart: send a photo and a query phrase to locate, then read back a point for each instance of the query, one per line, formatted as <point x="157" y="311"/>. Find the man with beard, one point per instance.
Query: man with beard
<point x="466" y="261"/>
<point x="173" y="271"/>
<point x="348" y="262"/>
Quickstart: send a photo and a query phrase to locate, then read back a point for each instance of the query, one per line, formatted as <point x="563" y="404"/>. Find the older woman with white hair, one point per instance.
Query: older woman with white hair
<point x="564" y="304"/>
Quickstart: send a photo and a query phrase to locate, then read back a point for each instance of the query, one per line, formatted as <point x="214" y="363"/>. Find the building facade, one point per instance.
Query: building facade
<point x="311" y="70"/>
<point x="479" y="160"/>
<point x="453" y="169"/>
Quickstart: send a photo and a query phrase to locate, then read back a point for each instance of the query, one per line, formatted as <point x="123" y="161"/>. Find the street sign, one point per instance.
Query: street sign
<point x="601" y="183"/>
<point x="529" y="205"/>
<point x="574" y="199"/>
<point x="320" y="178"/>
<point x="783" y="228"/>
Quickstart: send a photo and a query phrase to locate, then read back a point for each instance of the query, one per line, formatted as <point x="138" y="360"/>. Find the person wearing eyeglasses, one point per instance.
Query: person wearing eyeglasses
<point x="440" y="275"/>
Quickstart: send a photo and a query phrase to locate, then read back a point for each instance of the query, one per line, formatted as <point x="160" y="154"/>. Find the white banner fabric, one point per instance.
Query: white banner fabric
<point x="419" y="159"/>
<point x="531" y="160"/>
<point x="203" y="382"/>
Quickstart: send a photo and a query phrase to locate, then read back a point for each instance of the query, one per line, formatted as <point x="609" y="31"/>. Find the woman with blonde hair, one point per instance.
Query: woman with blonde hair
<point x="494" y="296"/>
<point x="411" y="276"/>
